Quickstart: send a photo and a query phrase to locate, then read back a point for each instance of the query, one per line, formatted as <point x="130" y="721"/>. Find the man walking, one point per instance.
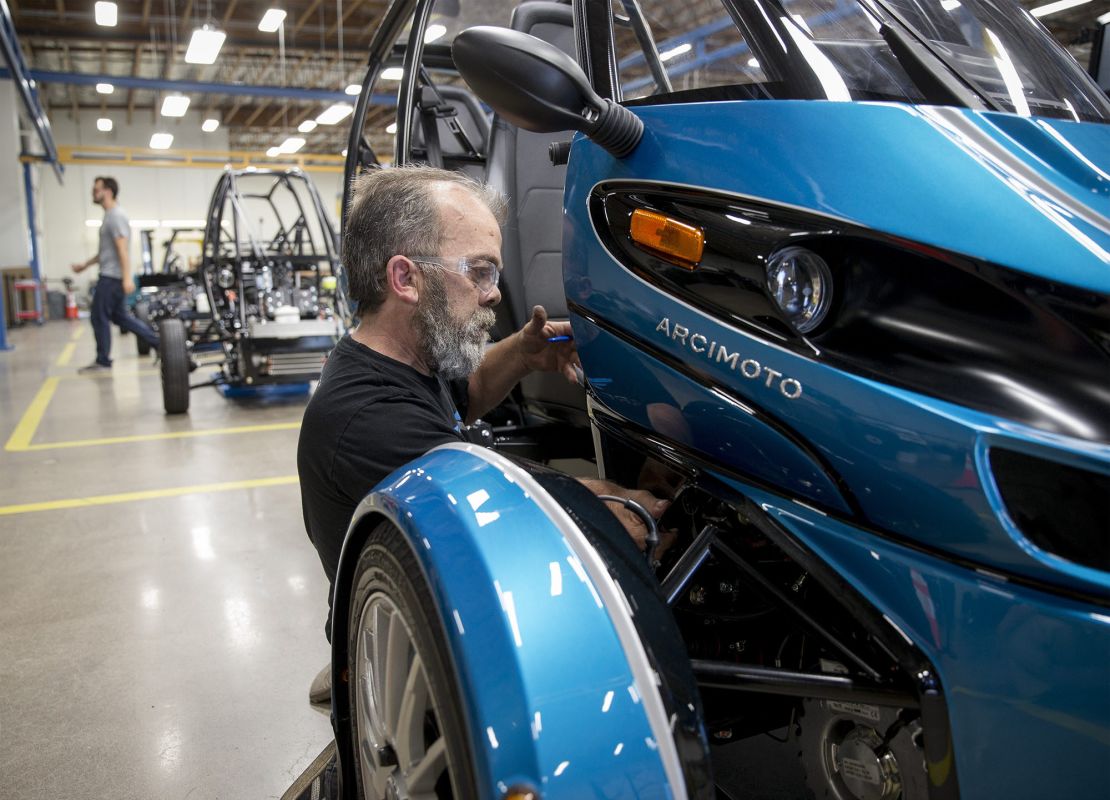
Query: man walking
<point x="115" y="283"/>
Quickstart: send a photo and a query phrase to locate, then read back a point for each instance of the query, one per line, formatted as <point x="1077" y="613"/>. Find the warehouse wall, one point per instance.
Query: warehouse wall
<point x="146" y="193"/>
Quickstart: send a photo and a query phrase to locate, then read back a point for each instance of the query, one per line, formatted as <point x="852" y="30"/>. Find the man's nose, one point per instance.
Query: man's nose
<point x="493" y="297"/>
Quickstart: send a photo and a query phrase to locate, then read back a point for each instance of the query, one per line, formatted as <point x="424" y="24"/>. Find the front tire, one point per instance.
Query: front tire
<point x="175" y="366"/>
<point x="406" y="707"/>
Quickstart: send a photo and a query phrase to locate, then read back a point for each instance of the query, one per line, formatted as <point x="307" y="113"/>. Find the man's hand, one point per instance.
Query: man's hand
<point x="539" y="355"/>
<point x="128" y="285"/>
<point x="78" y="267"/>
<point x="629" y="519"/>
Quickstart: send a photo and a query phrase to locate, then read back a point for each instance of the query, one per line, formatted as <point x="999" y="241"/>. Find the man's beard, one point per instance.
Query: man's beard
<point x="451" y="348"/>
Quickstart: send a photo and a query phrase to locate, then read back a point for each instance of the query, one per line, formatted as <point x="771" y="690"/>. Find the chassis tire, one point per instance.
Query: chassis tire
<point x="175" y="366"/>
<point x="407" y="721"/>
<point x="141" y="344"/>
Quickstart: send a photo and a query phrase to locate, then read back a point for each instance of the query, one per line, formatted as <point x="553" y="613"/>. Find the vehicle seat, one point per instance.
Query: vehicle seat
<point x="519" y="166"/>
<point x="447" y="149"/>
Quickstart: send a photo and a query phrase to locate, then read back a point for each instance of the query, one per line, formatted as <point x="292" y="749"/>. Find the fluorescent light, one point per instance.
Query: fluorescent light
<point x="105" y="14"/>
<point x="1104" y="19"/>
<point x="434" y="32"/>
<point x="667" y="55"/>
<point x="210" y="125"/>
<point x="104" y="124"/>
<point x="949" y="5"/>
<point x="344" y="153"/>
<point x="391" y="127"/>
<point x="175" y="105"/>
<point x="273" y="152"/>
<point x="204" y="46"/>
<point x="753" y="63"/>
<point x="392" y="74"/>
<point x="93" y="223"/>
<point x="308" y="126"/>
<point x="271" y="20"/>
<point x="336" y="113"/>
<point x="1052" y="8"/>
<point x="354" y="88"/>
<point x="182" y="223"/>
<point x="292" y="145"/>
<point x="105" y="88"/>
<point x="161" y="141"/>
<point x="145" y="223"/>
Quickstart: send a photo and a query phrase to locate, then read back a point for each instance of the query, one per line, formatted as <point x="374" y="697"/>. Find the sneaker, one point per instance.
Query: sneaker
<point x="320" y="690"/>
<point x="94" y="368"/>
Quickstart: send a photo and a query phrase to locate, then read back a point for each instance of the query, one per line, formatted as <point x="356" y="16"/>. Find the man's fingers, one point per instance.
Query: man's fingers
<point x="538" y="320"/>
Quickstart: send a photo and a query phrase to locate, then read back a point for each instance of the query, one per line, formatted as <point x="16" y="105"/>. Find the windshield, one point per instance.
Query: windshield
<point x="841" y="50"/>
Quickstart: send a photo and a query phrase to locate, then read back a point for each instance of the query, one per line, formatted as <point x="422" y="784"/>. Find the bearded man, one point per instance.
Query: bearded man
<point x="422" y="250"/>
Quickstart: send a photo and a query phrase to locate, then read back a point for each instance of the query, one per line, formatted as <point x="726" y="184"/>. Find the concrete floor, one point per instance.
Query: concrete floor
<point x="161" y="609"/>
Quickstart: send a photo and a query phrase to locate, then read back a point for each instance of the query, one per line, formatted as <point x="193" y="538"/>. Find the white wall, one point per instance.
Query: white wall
<point x="146" y="192"/>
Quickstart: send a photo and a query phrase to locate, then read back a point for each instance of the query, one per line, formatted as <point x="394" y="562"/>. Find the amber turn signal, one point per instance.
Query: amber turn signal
<point x="680" y="243"/>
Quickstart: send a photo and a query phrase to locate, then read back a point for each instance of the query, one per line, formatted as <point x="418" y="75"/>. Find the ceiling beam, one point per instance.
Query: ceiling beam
<point x="146" y="13"/>
<point x="351" y="9"/>
<point x="61" y="7"/>
<point x="72" y="90"/>
<point x="254" y="115"/>
<point x="134" y="72"/>
<point x="303" y="18"/>
<point x="229" y="12"/>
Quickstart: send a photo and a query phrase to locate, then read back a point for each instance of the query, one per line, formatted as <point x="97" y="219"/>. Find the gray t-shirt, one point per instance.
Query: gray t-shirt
<point x="115" y="225"/>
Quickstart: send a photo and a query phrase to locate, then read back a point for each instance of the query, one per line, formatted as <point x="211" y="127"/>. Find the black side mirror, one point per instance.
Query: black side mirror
<point x="536" y="86"/>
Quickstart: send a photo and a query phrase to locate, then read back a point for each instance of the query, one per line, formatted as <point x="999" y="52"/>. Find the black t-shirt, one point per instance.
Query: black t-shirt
<point x="368" y="416"/>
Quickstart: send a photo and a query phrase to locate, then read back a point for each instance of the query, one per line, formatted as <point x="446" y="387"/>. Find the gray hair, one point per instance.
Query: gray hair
<point x="394" y="211"/>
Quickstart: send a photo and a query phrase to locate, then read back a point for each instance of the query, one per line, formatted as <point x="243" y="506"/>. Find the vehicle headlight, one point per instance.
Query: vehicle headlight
<point x="800" y="283"/>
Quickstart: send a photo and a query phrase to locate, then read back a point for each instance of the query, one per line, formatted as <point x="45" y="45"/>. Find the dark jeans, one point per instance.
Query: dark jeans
<point x="108" y="306"/>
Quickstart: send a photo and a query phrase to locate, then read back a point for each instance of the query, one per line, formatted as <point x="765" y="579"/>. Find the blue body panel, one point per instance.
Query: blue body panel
<point x="550" y="699"/>
<point x="912" y="464"/>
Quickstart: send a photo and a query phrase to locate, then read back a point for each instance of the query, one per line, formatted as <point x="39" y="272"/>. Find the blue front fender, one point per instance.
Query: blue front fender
<point x="559" y="692"/>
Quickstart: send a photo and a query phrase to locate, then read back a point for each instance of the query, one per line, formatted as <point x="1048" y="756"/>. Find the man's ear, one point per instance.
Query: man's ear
<point x="400" y="275"/>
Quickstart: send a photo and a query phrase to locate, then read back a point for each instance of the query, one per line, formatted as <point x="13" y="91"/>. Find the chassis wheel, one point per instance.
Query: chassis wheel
<point x="406" y="717"/>
<point x="175" y="366"/>
<point x="141" y="312"/>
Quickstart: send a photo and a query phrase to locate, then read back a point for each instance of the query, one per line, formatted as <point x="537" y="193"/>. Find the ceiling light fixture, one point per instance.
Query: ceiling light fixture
<point x="210" y="125"/>
<point x="291" y="145"/>
<point x="204" y="45"/>
<point x="354" y="88"/>
<point x="393" y="74"/>
<point x="308" y="126"/>
<point x="104" y="124"/>
<point x="105" y="88"/>
<point x="273" y="152"/>
<point x="391" y="127"/>
<point x="175" y="105"/>
<point x="106" y="14"/>
<point x="434" y="32"/>
<point x="335" y="113"/>
<point x="1052" y="8"/>
<point x="271" y="20"/>
<point x="161" y="141"/>
<point x="1104" y="19"/>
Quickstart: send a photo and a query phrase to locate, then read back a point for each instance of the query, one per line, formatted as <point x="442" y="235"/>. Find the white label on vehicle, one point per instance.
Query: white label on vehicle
<point x="859" y="770"/>
<point x="856" y="709"/>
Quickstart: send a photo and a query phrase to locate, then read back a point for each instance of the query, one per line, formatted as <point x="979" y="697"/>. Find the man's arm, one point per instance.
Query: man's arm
<point x="527" y="350"/>
<point x="123" y="251"/>
<point x="84" y="265"/>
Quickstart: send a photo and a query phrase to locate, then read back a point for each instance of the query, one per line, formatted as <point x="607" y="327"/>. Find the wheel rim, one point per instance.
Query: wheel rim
<point x="403" y="754"/>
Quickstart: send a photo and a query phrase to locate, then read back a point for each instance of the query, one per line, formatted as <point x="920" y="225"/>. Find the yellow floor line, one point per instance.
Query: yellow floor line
<point x="21" y="436"/>
<point x="101" y="376"/>
<point x="66" y="355"/>
<point x="150" y="494"/>
<point x="77" y="334"/>
<point x="20" y="440"/>
<point x="151" y="437"/>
